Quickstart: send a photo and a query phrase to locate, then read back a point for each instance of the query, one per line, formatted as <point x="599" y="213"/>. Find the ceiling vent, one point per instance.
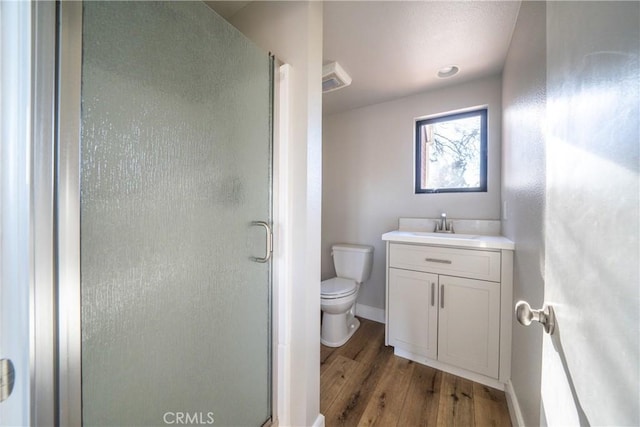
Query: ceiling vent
<point x="334" y="77"/>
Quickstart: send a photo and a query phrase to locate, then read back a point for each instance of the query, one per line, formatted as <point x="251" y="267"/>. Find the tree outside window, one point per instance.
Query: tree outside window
<point x="451" y="153"/>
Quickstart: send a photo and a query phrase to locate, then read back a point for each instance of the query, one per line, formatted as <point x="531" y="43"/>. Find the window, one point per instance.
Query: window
<point x="451" y="153"/>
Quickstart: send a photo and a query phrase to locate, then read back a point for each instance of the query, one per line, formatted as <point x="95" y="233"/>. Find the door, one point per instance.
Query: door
<point x="590" y="365"/>
<point x="175" y="163"/>
<point x="27" y="286"/>
<point x="15" y="232"/>
<point x="469" y="324"/>
<point x="413" y="312"/>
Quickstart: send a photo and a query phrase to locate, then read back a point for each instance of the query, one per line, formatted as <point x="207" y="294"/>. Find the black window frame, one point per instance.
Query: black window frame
<point x="482" y="188"/>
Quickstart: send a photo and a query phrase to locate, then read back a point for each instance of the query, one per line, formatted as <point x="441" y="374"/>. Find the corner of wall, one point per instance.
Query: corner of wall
<point x="523" y="192"/>
<point x="514" y="406"/>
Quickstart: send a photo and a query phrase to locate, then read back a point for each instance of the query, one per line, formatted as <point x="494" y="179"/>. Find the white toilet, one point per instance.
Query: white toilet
<point x="338" y="295"/>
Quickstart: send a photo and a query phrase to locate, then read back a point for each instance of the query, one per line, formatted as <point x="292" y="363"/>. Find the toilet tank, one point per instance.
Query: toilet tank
<point x="352" y="261"/>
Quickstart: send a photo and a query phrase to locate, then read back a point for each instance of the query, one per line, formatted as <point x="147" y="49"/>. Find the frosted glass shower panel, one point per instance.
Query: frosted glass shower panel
<point x="175" y="164"/>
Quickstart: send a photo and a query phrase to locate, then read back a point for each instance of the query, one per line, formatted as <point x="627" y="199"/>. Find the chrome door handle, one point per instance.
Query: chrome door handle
<point x="7" y="379"/>
<point x="269" y="246"/>
<point x="546" y="316"/>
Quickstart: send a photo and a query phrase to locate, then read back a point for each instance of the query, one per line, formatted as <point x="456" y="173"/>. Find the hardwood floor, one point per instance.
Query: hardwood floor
<point x="363" y="384"/>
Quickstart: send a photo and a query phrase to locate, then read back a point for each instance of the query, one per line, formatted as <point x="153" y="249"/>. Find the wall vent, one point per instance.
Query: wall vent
<point x="334" y="77"/>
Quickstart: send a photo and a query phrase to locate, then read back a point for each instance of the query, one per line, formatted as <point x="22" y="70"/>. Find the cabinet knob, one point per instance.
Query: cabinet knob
<point x="546" y="316"/>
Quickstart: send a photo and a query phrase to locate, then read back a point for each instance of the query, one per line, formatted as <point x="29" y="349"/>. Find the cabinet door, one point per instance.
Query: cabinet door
<point x="469" y="327"/>
<point x="413" y="311"/>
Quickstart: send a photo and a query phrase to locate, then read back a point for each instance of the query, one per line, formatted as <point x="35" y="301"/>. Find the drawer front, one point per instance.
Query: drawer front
<point x="475" y="264"/>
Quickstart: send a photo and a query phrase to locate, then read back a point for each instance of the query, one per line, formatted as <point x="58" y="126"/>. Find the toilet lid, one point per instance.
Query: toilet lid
<point x="337" y="287"/>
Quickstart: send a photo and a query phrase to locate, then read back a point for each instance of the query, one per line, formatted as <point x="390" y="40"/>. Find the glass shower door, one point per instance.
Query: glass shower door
<point x="174" y="167"/>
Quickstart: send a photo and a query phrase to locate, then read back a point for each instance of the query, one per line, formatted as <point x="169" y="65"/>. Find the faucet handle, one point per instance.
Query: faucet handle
<point x="442" y="226"/>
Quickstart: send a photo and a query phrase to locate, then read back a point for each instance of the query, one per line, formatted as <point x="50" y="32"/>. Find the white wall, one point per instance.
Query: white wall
<point x="523" y="189"/>
<point x="368" y="163"/>
<point x="293" y="32"/>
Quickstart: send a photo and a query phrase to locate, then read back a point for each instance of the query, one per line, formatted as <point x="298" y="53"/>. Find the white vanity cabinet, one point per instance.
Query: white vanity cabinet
<point x="450" y="307"/>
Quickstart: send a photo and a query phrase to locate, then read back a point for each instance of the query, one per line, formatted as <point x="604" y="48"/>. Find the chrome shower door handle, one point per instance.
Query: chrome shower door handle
<point x="269" y="246"/>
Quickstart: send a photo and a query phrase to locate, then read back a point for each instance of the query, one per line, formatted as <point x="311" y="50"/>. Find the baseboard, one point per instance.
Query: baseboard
<point x="514" y="407"/>
<point x="319" y="422"/>
<point x="370" y="313"/>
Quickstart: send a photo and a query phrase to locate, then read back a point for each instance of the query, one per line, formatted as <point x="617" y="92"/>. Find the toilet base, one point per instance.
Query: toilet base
<point x="337" y="329"/>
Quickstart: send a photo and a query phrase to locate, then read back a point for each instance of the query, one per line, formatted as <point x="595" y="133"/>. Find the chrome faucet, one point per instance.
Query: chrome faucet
<point x="442" y="226"/>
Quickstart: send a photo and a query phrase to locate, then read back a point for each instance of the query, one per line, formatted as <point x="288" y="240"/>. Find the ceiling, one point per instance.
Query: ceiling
<point x="226" y="9"/>
<point x="393" y="49"/>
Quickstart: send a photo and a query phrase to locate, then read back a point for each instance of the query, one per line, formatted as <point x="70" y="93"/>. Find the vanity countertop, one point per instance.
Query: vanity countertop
<point x="444" y="239"/>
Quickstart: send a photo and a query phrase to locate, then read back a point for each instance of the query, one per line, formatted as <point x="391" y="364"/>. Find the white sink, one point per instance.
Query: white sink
<point x="449" y="239"/>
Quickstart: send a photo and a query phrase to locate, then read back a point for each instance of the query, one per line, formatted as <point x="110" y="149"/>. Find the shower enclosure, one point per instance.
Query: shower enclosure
<point x="164" y="169"/>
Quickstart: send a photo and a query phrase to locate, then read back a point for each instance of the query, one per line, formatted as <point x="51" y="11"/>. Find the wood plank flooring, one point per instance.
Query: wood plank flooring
<point x="364" y="384"/>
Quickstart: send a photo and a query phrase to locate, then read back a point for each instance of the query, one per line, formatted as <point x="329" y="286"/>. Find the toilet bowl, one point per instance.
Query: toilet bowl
<point x="337" y="302"/>
<point x="339" y="294"/>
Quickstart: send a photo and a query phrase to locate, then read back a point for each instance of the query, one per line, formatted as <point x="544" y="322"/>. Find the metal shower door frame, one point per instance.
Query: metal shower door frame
<point x="68" y="212"/>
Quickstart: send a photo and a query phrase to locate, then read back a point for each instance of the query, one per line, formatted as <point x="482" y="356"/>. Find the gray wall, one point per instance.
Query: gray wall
<point x="523" y="190"/>
<point x="368" y="173"/>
